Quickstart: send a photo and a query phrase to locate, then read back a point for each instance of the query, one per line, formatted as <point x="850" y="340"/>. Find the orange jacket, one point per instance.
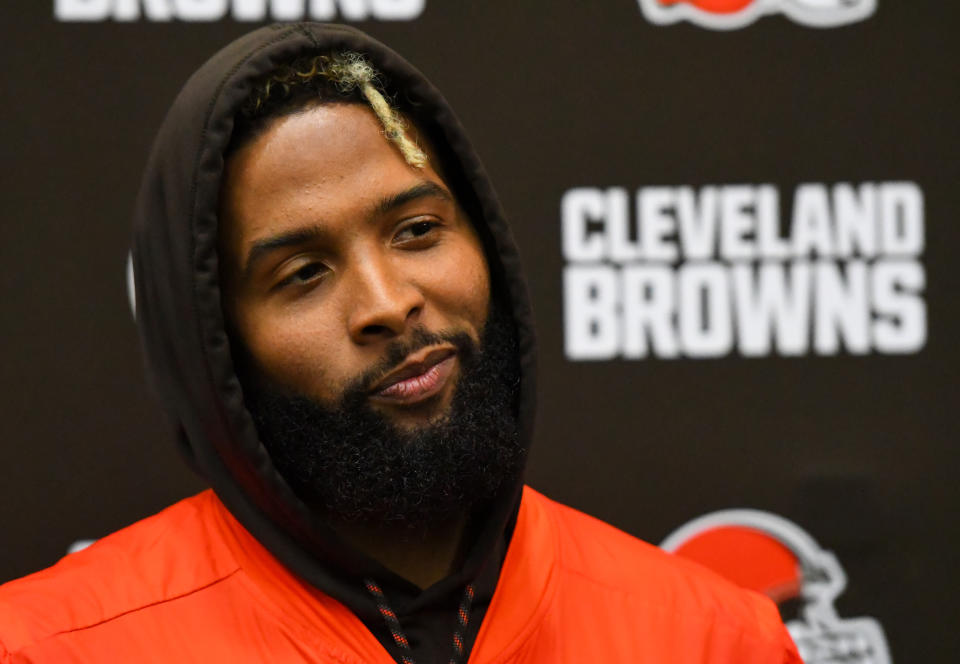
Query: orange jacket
<point x="191" y="585"/>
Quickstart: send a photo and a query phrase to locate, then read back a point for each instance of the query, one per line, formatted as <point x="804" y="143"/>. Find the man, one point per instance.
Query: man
<point x="335" y="319"/>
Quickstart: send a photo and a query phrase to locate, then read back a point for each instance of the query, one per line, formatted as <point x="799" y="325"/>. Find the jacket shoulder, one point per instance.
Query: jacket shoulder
<point x="169" y="555"/>
<point x="612" y="561"/>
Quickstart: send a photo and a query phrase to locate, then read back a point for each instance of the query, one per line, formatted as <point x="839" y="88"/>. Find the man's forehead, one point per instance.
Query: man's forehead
<point x="329" y="147"/>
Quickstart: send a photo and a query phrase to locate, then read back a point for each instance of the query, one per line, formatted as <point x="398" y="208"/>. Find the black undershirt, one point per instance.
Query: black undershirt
<point x="428" y="621"/>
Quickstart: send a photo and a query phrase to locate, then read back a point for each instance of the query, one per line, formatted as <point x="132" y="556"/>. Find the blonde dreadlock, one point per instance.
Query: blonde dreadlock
<point x="349" y="72"/>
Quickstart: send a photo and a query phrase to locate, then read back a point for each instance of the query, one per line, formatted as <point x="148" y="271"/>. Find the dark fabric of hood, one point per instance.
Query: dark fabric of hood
<point x="182" y="324"/>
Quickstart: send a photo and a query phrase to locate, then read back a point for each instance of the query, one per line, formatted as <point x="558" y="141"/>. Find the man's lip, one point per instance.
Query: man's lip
<point x="422" y="374"/>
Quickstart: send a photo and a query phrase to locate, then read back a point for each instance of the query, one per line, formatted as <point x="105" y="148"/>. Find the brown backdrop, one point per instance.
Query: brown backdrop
<point x="855" y="446"/>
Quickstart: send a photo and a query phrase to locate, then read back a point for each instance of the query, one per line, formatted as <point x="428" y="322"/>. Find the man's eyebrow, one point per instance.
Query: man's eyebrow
<point x="293" y="238"/>
<point x="425" y="189"/>
<point x="296" y="237"/>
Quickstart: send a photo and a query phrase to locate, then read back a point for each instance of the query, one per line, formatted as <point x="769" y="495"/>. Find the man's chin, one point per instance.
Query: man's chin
<point x="409" y="418"/>
<point x="397" y="465"/>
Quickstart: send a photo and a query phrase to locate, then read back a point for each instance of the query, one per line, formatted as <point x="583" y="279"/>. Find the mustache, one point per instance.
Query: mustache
<point x="398" y="350"/>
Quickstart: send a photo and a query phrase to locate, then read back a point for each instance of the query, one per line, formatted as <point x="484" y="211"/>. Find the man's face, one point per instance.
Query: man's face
<point x="337" y="251"/>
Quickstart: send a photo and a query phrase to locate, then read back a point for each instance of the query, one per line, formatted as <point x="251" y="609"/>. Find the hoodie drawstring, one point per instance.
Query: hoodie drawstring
<point x="393" y="623"/>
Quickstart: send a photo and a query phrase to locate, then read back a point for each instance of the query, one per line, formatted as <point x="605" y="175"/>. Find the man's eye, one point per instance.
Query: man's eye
<point x="304" y="274"/>
<point x="416" y="230"/>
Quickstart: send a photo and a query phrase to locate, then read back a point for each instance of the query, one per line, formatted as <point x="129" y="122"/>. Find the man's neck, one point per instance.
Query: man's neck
<point x="419" y="556"/>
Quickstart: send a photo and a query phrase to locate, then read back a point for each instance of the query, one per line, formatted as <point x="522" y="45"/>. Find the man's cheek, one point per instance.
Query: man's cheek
<point x="468" y="291"/>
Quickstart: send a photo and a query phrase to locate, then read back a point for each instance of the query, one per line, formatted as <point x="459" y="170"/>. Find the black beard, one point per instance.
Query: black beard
<point x="352" y="465"/>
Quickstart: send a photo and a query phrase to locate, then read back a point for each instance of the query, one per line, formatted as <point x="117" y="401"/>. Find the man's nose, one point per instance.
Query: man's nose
<point x="382" y="301"/>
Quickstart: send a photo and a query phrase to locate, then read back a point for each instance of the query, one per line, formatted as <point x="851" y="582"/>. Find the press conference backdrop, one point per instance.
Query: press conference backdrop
<point x="739" y="221"/>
